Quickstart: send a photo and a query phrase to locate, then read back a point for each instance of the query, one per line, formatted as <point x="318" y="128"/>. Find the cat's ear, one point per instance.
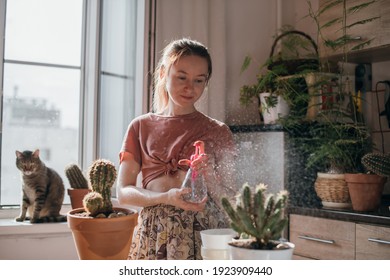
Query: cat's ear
<point x="36" y="153"/>
<point x="18" y="154"/>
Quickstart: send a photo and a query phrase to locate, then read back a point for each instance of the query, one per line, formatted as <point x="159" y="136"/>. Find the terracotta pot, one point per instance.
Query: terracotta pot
<point x="239" y="253"/>
<point x="365" y="190"/>
<point x="102" y="238"/>
<point x="76" y="197"/>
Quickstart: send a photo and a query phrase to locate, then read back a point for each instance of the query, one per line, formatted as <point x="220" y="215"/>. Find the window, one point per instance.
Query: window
<point x="68" y="80"/>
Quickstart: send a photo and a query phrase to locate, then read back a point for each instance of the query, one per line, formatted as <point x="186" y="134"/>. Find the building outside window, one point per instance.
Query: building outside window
<point x="68" y="82"/>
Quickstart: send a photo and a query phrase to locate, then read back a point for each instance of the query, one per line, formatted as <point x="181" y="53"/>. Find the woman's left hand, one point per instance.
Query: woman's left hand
<point x="175" y="198"/>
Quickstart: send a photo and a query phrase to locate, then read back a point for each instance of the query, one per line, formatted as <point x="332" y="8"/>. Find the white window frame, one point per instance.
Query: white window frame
<point x="90" y="84"/>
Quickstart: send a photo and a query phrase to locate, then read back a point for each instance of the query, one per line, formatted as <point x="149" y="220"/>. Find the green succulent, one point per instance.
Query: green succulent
<point x="258" y="215"/>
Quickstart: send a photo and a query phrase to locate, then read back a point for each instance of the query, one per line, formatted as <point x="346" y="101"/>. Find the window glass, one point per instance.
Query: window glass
<point x="46" y="31"/>
<point x="42" y="78"/>
<point x="117" y="87"/>
<point x="41" y="103"/>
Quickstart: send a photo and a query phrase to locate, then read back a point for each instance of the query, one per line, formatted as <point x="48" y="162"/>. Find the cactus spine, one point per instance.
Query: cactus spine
<point x="377" y="163"/>
<point x="76" y="177"/>
<point x="102" y="175"/>
<point x="259" y="215"/>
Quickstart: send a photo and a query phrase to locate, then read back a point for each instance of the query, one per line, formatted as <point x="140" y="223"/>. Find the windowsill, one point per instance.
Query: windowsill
<point x="8" y="225"/>
<point x="26" y="241"/>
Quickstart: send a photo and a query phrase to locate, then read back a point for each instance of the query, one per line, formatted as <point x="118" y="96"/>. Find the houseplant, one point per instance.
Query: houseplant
<point x="78" y="185"/>
<point x="280" y="86"/>
<point x="101" y="231"/>
<point x="366" y="188"/>
<point x="259" y="219"/>
<point x="267" y="92"/>
<point x="333" y="135"/>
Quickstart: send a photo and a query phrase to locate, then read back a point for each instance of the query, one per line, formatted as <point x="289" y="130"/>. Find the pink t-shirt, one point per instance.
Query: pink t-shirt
<point x="159" y="142"/>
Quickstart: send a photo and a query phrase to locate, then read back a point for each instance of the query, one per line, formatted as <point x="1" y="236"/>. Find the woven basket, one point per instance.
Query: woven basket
<point x="294" y="66"/>
<point x="332" y="188"/>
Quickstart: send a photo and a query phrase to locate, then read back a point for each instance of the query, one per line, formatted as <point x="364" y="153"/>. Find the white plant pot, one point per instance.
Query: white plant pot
<point x="217" y="239"/>
<point x="215" y="254"/>
<point x="272" y="114"/>
<point x="238" y="253"/>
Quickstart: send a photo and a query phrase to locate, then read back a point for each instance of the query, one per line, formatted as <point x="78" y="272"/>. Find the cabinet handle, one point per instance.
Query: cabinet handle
<point x="379" y="241"/>
<point x="316" y="239"/>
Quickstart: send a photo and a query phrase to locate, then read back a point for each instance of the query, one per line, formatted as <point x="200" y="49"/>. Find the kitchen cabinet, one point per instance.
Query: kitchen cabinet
<point x="378" y="30"/>
<point x="318" y="238"/>
<point x="329" y="239"/>
<point x="372" y="242"/>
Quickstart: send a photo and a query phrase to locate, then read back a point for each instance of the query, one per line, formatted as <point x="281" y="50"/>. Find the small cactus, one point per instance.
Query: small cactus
<point x="76" y="177"/>
<point x="102" y="175"/>
<point x="92" y="203"/>
<point x="258" y="215"/>
<point x="377" y="163"/>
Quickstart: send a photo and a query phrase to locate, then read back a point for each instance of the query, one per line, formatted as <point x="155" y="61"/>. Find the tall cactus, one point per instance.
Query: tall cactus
<point x="102" y="175"/>
<point x="259" y="215"/>
<point x="377" y="163"/>
<point x="76" y="177"/>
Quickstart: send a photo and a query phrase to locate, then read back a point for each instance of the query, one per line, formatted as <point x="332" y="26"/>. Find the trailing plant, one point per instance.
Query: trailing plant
<point x="102" y="175"/>
<point x="258" y="215"/>
<point x="76" y="177"/>
<point x="265" y="82"/>
<point x="271" y="75"/>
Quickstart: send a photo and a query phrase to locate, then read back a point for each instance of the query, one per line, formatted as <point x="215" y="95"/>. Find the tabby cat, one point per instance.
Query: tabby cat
<point x="43" y="190"/>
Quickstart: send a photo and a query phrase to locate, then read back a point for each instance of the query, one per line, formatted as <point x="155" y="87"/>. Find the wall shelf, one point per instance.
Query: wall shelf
<point x="377" y="54"/>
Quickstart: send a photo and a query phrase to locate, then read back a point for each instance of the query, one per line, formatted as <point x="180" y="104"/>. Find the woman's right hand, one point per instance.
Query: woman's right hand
<point x="175" y="198"/>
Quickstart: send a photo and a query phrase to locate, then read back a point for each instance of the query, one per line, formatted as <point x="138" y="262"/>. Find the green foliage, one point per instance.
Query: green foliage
<point x="76" y="177"/>
<point x="334" y="147"/>
<point x="270" y="77"/>
<point x="258" y="214"/>
<point x="336" y="139"/>
<point x="265" y="82"/>
<point x="345" y="40"/>
<point x="102" y="175"/>
<point x="377" y="163"/>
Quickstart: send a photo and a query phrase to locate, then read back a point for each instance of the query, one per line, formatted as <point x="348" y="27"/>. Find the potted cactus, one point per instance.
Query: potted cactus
<point x="366" y="189"/>
<point x="101" y="231"/>
<point x="260" y="220"/>
<point x="78" y="185"/>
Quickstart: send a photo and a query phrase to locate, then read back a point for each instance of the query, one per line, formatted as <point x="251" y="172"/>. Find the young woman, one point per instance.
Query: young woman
<point x="168" y="226"/>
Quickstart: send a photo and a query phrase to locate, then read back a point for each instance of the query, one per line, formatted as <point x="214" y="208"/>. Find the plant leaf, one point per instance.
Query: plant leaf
<point x="364" y="21"/>
<point x="357" y="8"/>
<point x="362" y="45"/>
<point x="328" y="6"/>
<point x="331" y="22"/>
<point x="246" y="63"/>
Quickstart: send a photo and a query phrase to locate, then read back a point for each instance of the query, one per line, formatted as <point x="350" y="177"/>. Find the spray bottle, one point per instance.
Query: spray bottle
<point x="195" y="180"/>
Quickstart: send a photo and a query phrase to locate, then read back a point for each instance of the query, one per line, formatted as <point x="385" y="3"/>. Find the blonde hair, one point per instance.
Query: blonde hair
<point x="172" y="53"/>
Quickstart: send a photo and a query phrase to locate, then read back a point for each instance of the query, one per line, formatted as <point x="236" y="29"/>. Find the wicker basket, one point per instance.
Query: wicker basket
<point x="294" y="66"/>
<point x="332" y="188"/>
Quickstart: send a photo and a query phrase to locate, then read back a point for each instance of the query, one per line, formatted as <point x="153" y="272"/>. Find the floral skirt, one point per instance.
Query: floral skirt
<point x="165" y="232"/>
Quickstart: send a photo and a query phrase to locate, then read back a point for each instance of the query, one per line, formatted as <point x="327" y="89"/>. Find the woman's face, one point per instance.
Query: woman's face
<point x="185" y="82"/>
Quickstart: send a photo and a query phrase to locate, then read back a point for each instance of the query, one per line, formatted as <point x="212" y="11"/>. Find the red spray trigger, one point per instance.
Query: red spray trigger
<point x="199" y="150"/>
